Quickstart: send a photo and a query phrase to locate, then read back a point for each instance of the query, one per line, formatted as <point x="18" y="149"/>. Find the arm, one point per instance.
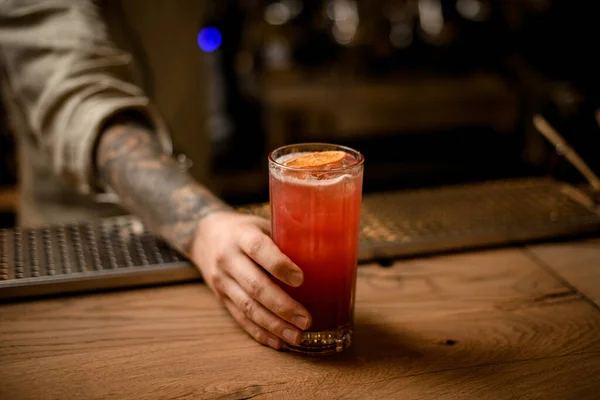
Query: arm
<point x="229" y="248"/>
<point x="70" y="84"/>
<point x="152" y="185"/>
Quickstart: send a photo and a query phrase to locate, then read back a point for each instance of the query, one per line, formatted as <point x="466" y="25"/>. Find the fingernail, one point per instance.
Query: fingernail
<point x="274" y="343"/>
<point x="290" y="335"/>
<point x="300" y="321"/>
<point x="295" y="278"/>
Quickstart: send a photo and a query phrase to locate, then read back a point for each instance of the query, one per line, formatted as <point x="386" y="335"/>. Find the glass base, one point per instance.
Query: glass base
<point x="322" y="343"/>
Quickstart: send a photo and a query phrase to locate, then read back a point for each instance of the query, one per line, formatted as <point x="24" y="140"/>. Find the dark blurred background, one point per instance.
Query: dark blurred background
<point x="431" y="91"/>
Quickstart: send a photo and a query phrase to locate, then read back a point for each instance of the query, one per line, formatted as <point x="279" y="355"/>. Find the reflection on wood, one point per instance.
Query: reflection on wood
<point x="578" y="263"/>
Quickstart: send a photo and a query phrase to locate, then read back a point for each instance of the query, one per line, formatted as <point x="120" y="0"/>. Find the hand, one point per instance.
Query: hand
<point x="230" y="249"/>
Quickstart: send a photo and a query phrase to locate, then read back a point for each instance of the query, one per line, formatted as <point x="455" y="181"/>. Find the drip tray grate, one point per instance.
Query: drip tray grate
<point x="120" y="252"/>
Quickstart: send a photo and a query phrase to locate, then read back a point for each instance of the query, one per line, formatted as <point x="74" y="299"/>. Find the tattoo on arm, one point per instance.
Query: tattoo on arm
<point x="152" y="185"/>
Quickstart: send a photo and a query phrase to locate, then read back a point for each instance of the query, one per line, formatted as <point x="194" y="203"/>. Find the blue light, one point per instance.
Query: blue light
<point x="209" y="39"/>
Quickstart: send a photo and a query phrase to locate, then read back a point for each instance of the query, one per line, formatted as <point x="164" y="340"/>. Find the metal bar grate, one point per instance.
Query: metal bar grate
<point x="120" y="252"/>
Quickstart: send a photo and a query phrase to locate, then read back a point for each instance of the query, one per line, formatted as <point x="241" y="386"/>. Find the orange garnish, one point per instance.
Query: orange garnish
<point x="315" y="159"/>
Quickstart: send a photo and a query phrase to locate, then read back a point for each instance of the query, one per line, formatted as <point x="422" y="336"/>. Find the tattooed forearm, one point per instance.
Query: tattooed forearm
<point x="152" y="185"/>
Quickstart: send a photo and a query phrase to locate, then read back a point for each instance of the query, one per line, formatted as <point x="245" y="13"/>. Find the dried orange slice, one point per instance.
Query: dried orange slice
<point x="315" y="159"/>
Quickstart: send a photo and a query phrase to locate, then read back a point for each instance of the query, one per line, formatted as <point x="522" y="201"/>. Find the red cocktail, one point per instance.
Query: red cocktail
<point x="315" y="207"/>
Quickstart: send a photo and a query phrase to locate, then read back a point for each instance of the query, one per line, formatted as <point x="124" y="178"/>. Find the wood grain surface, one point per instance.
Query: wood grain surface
<point x="482" y="325"/>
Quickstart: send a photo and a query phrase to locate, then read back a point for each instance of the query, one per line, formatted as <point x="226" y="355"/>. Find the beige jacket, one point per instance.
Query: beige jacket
<point x="68" y="65"/>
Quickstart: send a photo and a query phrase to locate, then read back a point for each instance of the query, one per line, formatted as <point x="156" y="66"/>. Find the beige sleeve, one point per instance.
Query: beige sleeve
<point x="67" y="78"/>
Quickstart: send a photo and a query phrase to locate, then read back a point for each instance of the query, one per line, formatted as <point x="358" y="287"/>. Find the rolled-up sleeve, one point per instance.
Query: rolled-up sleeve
<point x="67" y="79"/>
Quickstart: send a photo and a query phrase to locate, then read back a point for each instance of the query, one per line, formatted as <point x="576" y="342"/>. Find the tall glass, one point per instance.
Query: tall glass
<point x="315" y="216"/>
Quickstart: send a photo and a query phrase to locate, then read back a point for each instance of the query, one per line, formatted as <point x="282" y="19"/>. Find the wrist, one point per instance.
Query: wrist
<point x="208" y="223"/>
<point x="214" y="215"/>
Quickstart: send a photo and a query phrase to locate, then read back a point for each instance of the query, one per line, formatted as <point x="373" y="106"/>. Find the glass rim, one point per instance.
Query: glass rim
<point x="349" y="150"/>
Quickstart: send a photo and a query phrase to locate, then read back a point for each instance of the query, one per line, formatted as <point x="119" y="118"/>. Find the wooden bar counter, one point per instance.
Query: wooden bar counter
<point x="508" y="323"/>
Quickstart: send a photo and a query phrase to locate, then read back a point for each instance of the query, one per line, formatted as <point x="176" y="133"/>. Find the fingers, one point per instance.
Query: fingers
<point x="263" y="224"/>
<point x="237" y="249"/>
<point x="261" y="288"/>
<point x="259" y="247"/>
<point x="258" y="333"/>
<point x="259" y="315"/>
